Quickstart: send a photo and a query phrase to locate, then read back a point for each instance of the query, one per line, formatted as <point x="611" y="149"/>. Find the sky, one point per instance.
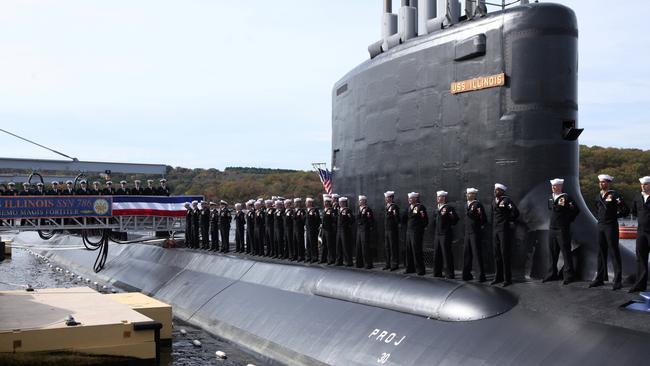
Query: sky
<point x="212" y="84"/>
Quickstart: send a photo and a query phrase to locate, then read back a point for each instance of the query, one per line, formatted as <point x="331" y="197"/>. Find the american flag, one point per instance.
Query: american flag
<point x="326" y="178"/>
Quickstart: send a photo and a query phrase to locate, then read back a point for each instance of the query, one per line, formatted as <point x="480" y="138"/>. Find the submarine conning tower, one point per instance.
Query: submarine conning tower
<point x="449" y="102"/>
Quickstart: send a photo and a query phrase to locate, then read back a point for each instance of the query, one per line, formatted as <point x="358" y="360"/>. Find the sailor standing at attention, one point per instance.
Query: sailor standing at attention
<point x="504" y="212"/>
<point x="365" y="234"/>
<point x="609" y="208"/>
<point x="268" y="228"/>
<point x="188" y="224"/>
<point x="278" y="229"/>
<point x="299" y="231"/>
<point x="416" y="220"/>
<point x="312" y="224"/>
<point x="444" y="220"/>
<point x="250" y="226"/>
<point x="205" y="225"/>
<point x="563" y="212"/>
<point x="123" y="190"/>
<point x="163" y="190"/>
<point x="96" y="190"/>
<point x="196" y="224"/>
<point x="289" y="213"/>
<point x="214" y="227"/>
<point x="476" y="218"/>
<point x="641" y="209"/>
<point x="83" y="190"/>
<point x="240" y="221"/>
<point x="259" y="228"/>
<point x="328" y="248"/>
<point x="224" y="226"/>
<point x="344" y="234"/>
<point x="391" y="232"/>
<point x="150" y="190"/>
<point x="54" y="190"/>
<point x="137" y="188"/>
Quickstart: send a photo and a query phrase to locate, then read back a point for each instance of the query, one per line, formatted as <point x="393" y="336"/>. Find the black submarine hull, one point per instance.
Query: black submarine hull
<point x="317" y="315"/>
<point x="397" y="126"/>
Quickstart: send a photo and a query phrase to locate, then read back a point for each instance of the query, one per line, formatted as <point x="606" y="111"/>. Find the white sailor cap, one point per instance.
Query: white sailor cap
<point x="607" y="177"/>
<point x="213" y="203"/>
<point x="280" y="198"/>
<point x="149" y="180"/>
<point x="137" y="181"/>
<point x="327" y="198"/>
<point x="644" y="180"/>
<point x="471" y="190"/>
<point x="68" y="182"/>
<point x="414" y="195"/>
<point x="54" y="183"/>
<point x="362" y="197"/>
<point x="500" y="186"/>
<point x="25" y="184"/>
<point x="95" y="182"/>
<point x="268" y="202"/>
<point x="257" y="203"/>
<point x="12" y="184"/>
<point x="223" y="202"/>
<point x="288" y="201"/>
<point x="335" y="196"/>
<point x="186" y="204"/>
<point x="557" y="181"/>
<point x="195" y="202"/>
<point x="297" y="200"/>
<point x="39" y="184"/>
<point x="249" y="202"/>
<point x="441" y="193"/>
<point x="108" y="182"/>
<point x="83" y="181"/>
<point x="309" y="199"/>
<point x="237" y="205"/>
<point x="122" y="182"/>
<point x="389" y="194"/>
<point x="274" y="198"/>
<point x="279" y="202"/>
<point x="163" y="180"/>
<point x="204" y="202"/>
<point x="343" y="199"/>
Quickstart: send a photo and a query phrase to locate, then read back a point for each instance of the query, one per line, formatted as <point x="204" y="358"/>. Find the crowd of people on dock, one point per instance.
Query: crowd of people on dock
<point x="290" y="229"/>
<point x="68" y="189"/>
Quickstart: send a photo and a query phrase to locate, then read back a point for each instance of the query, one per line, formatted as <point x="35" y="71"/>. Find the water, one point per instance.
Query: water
<point x="23" y="268"/>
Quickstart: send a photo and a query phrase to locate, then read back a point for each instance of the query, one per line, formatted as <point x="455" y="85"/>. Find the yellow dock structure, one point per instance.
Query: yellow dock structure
<point x="149" y="307"/>
<point x="43" y="321"/>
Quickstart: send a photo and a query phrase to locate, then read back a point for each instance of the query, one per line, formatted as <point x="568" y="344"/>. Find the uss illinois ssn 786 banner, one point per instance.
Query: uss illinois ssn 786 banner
<point x="33" y="207"/>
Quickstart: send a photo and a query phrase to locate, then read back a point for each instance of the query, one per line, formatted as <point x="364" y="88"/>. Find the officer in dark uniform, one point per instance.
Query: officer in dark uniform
<point x="250" y="227"/>
<point x="259" y="228"/>
<point x="278" y="229"/>
<point x="299" y="231"/>
<point x="137" y="189"/>
<point x="196" y="225"/>
<point x="504" y="212"/>
<point x="444" y="220"/>
<point x="205" y="225"/>
<point x="344" y="223"/>
<point x="54" y="189"/>
<point x="240" y="222"/>
<point x="269" y="228"/>
<point x="224" y="226"/>
<point x="123" y="190"/>
<point x="564" y="210"/>
<point x="163" y="190"/>
<point x="329" y="222"/>
<point x="289" y="214"/>
<point x="609" y="208"/>
<point x="214" y="227"/>
<point x="108" y="189"/>
<point x="365" y="234"/>
<point x="150" y="190"/>
<point x="11" y="189"/>
<point x="26" y="190"/>
<point x="188" y="225"/>
<point x="83" y="189"/>
<point x="391" y="232"/>
<point x="475" y="220"/>
<point x="312" y="224"/>
<point x="416" y="220"/>
<point x="39" y="190"/>
<point x="96" y="190"/>
<point x="641" y="209"/>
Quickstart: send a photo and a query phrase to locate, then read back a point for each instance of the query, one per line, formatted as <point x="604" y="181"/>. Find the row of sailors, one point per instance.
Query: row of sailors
<point x="84" y="189"/>
<point x="277" y="228"/>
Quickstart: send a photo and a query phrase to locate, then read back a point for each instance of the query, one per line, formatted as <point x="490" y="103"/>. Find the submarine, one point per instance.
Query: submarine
<point x="444" y="102"/>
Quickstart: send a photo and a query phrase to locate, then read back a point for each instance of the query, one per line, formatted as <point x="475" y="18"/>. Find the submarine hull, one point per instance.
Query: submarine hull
<point x="317" y="315"/>
<point x="398" y="126"/>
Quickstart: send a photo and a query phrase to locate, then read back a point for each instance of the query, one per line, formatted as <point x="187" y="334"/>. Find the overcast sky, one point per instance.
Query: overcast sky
<point x="243" y="83"/>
